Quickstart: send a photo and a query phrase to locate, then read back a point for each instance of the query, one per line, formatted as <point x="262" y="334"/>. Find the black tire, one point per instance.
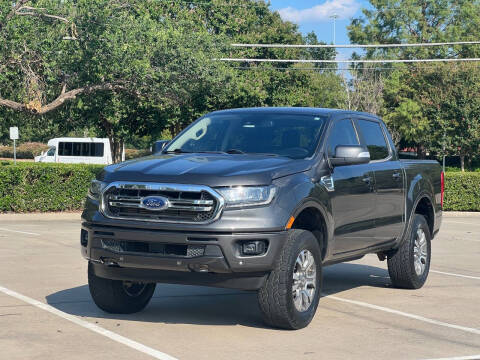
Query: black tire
<point x="401" y="264"/>
<point x="276" y="296"/>
<point x="111" y="295"/>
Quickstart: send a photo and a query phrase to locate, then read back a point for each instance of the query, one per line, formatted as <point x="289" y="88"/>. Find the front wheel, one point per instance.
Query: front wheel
<point x="409" y="265"/>
<point x="119" y="297"/>
<point x="290" y="296"/>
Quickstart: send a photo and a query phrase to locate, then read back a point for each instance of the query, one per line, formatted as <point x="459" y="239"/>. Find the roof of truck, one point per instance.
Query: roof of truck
<point x="293" y="110"/>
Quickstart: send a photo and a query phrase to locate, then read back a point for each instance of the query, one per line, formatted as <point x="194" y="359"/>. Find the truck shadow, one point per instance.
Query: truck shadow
<point x="178" y="304"/>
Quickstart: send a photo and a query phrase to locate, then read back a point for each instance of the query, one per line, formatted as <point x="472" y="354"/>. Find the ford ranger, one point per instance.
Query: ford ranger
<point x="260" y="199"/>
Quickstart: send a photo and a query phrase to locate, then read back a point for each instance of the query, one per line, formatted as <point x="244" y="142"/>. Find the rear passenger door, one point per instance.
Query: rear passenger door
<point x="389" y="179"/>
<point x="352" y="199"/>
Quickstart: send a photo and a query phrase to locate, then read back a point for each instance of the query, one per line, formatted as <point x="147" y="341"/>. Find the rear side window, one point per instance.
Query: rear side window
<point x="374" y="139"/>
<point x="342" y="133"/>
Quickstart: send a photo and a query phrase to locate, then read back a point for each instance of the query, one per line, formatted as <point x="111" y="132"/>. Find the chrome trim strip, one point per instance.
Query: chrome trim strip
<point x="164" y="187"/>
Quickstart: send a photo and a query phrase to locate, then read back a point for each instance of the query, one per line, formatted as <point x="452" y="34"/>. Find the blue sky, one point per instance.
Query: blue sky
<point x="315" y="15"/>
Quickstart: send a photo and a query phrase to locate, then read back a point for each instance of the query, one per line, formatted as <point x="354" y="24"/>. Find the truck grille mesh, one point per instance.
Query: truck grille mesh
<point x="183" y="206"/>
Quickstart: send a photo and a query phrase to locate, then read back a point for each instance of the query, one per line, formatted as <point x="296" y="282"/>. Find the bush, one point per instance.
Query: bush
<point x="24" y="151"/>
<point x="134" y="153"/>
<point x="462" y="191"/>
<point x="31" y="187"/>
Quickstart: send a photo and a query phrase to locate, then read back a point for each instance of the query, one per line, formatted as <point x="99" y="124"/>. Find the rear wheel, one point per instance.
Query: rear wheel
<point x="290" y="296"/>
<point x="409" y="265"/>
<point x="119" y="297"/>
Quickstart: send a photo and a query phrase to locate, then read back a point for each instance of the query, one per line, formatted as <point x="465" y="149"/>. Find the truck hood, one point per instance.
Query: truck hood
<point x="206" y="169"/>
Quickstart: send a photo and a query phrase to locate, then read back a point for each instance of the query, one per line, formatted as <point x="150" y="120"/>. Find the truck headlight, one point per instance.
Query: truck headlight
<point x="95" y="190"/>
<point x="242" y="196"/>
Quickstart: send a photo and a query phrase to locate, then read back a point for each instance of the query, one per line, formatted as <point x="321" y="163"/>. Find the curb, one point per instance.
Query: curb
<point x="453" y="214"/>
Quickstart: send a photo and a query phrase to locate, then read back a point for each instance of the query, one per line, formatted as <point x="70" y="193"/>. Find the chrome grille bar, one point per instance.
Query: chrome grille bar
<point x="186" y="203"/>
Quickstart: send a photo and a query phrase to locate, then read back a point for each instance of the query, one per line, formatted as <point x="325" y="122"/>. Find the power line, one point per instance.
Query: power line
<point x="357" y="46"/>
<point x="369" y="61"/>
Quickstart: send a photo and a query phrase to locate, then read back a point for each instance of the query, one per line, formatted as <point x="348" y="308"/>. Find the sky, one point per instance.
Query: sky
<point x="314" y="15"/>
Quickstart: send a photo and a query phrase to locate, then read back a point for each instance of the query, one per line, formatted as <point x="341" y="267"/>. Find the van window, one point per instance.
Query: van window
<point x="81" y="149"/>
<point x="51" y="151"/>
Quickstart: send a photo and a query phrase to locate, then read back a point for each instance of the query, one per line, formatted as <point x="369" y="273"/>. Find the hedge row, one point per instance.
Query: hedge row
<point x="24" y="151"/>
<point x="462" y="191"/>
<point x="30" y="187"/>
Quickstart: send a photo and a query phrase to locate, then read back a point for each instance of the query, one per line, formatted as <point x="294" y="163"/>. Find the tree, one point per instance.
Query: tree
<point x="427" y="106"/>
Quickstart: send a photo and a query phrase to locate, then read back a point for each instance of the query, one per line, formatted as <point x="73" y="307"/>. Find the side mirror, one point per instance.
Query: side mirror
<point x="350" y="155"/>
<point x="159" y="145"/>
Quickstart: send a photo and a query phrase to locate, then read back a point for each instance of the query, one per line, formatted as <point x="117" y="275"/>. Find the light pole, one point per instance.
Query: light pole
<point x="334" y="17"/>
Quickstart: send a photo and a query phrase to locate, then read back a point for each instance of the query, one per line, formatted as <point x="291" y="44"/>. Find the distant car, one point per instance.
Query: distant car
<point x="77" y="151"/>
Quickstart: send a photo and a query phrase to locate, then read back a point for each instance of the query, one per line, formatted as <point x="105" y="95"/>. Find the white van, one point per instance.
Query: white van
<point x="77" y="151"/>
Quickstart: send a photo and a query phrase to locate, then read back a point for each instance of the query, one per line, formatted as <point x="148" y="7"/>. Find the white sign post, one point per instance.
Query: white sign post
<point x="14" y="137"/>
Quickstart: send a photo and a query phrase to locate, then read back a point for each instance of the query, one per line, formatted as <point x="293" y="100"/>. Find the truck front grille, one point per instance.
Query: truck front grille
<point x="184" y="203"/>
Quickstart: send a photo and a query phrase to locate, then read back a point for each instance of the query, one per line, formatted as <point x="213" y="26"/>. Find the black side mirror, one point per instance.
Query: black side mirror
<point x="159" y="146"/>
<point x="350" y="155"/>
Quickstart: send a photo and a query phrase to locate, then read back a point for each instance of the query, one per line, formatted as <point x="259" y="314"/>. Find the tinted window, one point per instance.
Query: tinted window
<point x="96" y="149"/>
<point x="290" y="135"/>
<point x="51" y="152"/>
<point x="374" y="139"/>
<point x="65" y="149"/>
<point x="80" y="149"/>
<point x="342" y="133"/>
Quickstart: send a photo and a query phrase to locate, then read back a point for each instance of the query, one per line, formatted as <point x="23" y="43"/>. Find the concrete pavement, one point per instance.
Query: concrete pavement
<point x="360" y="317"/>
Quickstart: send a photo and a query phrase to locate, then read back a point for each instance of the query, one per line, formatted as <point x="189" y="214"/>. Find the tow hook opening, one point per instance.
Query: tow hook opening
<point x="109" y="262"/>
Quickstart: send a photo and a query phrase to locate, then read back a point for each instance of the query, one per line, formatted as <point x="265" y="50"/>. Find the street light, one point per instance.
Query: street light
<point x="334" y="17"/>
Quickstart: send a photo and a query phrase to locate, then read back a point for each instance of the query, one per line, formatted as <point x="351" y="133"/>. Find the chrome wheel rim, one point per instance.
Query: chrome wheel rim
<point x="133" y="289"/>
<point x="420" y="252"/>
<point x="304" y="281"/>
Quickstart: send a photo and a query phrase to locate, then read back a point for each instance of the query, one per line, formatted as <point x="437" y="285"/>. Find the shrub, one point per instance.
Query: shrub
<point x="134" y="153"/>
<point x="462" y="191"/>
<point x="30" y="187"/>
<point x="24" y="151"/>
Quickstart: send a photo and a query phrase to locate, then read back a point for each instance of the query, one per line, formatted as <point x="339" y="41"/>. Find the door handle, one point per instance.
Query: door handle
<point x="396" y="175"/>
<point x="367" y="179"/>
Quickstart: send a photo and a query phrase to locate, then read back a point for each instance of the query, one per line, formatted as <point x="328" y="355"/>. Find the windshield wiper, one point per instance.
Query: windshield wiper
<point x="234" y="151"/>
<point x="177" y="151"/>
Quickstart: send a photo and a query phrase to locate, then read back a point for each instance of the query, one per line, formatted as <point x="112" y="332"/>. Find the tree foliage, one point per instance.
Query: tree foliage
<point x="139" y="68"/>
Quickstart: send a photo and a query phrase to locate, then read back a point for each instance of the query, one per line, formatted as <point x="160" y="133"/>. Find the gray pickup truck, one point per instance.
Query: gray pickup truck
<point x="260" y="199"/>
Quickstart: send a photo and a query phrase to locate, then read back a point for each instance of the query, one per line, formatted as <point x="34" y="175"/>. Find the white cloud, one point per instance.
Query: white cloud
<point x="343" y="8"/>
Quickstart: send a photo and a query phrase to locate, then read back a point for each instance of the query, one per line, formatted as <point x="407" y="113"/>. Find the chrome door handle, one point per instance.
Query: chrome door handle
<point x="367" y="179"/>
<point x="396" y="175"/>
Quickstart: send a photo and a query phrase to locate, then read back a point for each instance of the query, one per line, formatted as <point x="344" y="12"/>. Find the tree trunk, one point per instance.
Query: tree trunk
<point x="462" y="162"/>
<point x="116" y="147"/>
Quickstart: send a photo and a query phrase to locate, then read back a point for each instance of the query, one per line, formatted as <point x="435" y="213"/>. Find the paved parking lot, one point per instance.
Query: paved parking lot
<point x="46" y="311"/>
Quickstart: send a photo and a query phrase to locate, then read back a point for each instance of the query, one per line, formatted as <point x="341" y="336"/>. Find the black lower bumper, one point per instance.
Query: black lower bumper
<point x="220" y="263"/>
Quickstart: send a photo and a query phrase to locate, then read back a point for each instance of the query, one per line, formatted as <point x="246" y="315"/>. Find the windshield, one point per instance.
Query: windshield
<point x="294" y="135"/>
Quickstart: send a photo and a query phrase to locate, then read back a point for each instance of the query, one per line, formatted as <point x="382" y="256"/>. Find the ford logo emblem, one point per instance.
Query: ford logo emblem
<point x="155" y="203"/>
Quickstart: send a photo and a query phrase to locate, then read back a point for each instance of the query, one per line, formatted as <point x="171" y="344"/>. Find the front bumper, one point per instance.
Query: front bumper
<point x="221" y="264"/>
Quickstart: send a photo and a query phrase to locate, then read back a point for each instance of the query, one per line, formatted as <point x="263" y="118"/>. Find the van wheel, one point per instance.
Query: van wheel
<point x="290" y="296"/>
<point x="409" y="265"/>
<point x="119" y="297"/>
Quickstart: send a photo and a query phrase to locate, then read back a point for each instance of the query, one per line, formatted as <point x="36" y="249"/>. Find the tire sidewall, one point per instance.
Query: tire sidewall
<point x="305" y="241"/>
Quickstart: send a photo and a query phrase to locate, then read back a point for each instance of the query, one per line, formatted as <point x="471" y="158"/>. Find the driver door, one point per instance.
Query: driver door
<point x="353" y="197"/>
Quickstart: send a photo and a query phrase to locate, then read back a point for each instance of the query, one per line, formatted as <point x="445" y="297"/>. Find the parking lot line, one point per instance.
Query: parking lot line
<point x="87" y="325"/>
<point x="458" y="275"/>
<point x="473" y="357"/>
<point x="404" y="314"/>
<point x="20" y="232"/>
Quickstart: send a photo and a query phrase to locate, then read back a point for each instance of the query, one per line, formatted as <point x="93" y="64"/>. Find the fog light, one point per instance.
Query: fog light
<point x="84" y="238"/>
<point x="257" y="247"/>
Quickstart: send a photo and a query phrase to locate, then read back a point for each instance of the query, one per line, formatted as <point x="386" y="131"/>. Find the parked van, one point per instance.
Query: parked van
<point x="77" y="151"/>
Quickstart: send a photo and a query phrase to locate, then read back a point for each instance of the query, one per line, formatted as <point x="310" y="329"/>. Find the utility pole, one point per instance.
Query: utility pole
<point x="334" y="17"/>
